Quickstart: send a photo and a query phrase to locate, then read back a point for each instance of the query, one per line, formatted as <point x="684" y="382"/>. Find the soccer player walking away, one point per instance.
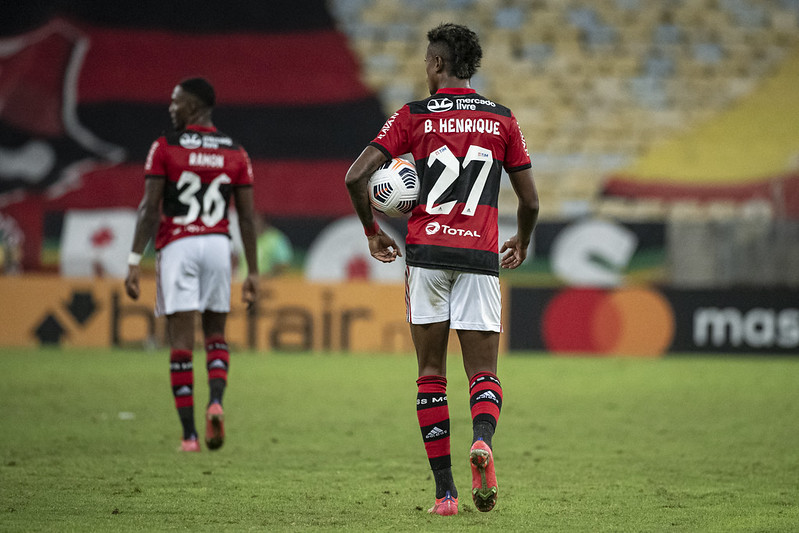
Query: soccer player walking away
<point x="190" y="175"/>
<point x="460" y="141"/>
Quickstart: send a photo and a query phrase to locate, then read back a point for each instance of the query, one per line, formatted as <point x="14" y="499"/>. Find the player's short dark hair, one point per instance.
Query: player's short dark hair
<point x="201" y="88"/>
<point x="462" y="46"/>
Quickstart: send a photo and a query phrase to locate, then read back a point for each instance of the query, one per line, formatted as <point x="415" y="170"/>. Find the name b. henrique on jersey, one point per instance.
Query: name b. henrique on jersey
<point x="460" y="142"/>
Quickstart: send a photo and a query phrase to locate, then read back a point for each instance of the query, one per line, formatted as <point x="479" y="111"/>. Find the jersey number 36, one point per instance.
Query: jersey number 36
<point x="212" y="209"/>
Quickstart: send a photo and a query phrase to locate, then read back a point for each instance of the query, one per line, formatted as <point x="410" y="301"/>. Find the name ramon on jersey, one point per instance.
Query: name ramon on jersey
<point x="201" y="159"/>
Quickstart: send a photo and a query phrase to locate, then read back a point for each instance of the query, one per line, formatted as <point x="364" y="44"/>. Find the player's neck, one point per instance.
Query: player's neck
<point x="201" y="119"/>
<point x="451" y="82"/>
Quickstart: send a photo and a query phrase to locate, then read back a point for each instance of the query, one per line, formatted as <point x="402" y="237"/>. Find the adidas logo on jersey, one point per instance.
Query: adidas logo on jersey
<point x="435" y="433"/>
<point x="487" y="395"/>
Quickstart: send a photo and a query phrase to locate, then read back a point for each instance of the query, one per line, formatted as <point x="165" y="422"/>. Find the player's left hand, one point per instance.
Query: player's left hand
<point x="383" y="248"/>
<point x="132" y="282"/>
<point x="249" y="290"/>
<point x="515" y="253"/>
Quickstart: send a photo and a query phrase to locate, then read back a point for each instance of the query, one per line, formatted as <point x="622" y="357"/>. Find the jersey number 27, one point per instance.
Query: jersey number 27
<point x="452" y="169"/>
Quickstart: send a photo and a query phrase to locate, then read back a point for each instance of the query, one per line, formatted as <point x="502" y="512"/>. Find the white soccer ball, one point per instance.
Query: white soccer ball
<point x="394" y="188"/>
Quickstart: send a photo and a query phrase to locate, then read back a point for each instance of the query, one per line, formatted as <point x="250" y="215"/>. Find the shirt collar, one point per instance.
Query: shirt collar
<point x="456" y="90"/>
<point x="197" y="127"/>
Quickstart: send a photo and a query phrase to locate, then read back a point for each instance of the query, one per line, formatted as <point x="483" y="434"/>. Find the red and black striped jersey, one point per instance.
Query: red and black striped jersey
<point x="460" y="142"/>
<point x="201" y="165"/>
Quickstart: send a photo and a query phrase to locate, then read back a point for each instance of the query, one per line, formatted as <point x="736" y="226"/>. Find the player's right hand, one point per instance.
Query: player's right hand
<point x="383" y="248"/>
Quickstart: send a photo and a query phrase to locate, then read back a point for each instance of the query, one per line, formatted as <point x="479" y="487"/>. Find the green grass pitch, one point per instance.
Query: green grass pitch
<point x="330" y="442"/>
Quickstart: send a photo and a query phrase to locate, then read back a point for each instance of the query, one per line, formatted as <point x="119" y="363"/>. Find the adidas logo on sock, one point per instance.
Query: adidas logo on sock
<point x="185" y="390"/>
<point x="435" y="433"/>
<point x="217" y="363"/>
<point x="488" y="395"/>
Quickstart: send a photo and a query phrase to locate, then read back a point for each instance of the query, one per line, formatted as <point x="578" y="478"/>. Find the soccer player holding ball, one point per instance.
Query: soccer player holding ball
<point x="191" y="174"/>
<point x="460" y="142"/>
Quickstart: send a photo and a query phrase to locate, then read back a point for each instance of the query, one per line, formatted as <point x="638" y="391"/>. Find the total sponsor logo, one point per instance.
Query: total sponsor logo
<point x="434" y="227"/>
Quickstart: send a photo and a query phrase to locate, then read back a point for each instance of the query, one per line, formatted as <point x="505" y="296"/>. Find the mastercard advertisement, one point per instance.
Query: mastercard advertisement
<point x="651" y="322"/>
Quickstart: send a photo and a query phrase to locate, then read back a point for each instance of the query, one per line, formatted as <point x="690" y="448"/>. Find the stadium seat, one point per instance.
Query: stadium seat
<point x="593" y="81"/>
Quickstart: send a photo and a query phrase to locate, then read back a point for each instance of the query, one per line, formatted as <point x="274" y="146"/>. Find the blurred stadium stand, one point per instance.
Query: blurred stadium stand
<point x="679" y="114"/>
<point x="600" y="87"/>
<point x="594" y="84"/>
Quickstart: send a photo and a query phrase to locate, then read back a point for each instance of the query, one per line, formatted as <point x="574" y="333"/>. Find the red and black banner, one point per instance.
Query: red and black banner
<point x="781" y="191"/>
<point x="84" y="90"/>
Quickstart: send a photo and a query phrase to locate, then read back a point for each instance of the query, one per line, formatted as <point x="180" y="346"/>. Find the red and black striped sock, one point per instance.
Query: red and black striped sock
<point x="181" y="374"/>
<point x="485" y="400"/>
<point x="433" y="414"/>
<point x="217" y="363"/>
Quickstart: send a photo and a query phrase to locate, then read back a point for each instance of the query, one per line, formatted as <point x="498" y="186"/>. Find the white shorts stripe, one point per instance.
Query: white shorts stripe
<point x="159" y="292"/>
<point x="407" y="296"/>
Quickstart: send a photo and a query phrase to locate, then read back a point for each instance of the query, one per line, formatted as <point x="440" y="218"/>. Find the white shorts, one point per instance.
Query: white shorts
<point x="469" y="301"/>
<point x="193" y="274"/>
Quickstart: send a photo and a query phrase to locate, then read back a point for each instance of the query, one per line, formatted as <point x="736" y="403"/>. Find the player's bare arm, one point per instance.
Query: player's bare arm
<point x="245" y="207"/>
<point x="146" y="223"/>
<point x="381" y="246"/>
<point x="514" y="250"/>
